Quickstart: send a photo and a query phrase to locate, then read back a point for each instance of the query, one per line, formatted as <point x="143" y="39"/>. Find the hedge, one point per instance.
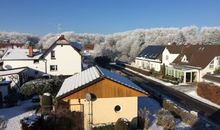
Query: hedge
<point x="209" y="91"/>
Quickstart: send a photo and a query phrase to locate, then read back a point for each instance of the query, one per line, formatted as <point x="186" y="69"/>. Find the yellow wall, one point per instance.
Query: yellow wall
<point x="103" y="109"/>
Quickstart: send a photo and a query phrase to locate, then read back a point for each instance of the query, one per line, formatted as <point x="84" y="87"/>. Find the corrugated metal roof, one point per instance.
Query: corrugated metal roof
<point x="91" y="74"/>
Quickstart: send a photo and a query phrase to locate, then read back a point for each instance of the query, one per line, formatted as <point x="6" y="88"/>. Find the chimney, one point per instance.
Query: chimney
<point x="30" y="49"/>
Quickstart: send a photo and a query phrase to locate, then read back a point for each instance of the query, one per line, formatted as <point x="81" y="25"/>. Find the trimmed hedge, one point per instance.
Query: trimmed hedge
<point x="209" y="91"/>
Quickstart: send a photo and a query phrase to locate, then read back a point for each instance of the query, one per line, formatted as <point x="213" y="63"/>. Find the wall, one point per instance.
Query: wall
<point x="67" y="59"/>
<point x="103" y="109"/>
<point x="25" y="63"/>
<point x="171" y="57"/>
<point x="148" y="64"/>
<point x="207" y="69"/>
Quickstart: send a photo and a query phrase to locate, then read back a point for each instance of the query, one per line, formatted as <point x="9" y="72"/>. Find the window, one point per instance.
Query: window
<point x="36" y="61"/>
<point x="211" y="65"/>
<point x="52" y="54"/>
<point x="53" y="67"/>
<point x="117" y="108"/>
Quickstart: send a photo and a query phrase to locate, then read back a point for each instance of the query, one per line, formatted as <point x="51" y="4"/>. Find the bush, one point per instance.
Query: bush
<point x="122" y="124"/>
<point x="46" y="104"/>
<point x="209" y="91"/>
<point x="179" y="112"/>
<point x="3" y="123"/>
<point x="165" y="119"/>
<point x="144" y="118"/>
<point x="31" y="123"/>
<point x="40" y="86"/>
<point x="11" y="99"/>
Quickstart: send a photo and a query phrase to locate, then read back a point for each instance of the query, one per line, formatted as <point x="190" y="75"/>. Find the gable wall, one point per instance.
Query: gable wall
<point x="106" y="89"/>
<point x="67" y="59"/>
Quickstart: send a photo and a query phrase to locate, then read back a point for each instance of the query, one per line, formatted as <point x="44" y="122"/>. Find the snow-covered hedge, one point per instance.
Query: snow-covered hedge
<point x="41" y="86"/>
<point x="165" y="119"/>
<point x="187" y="117"/>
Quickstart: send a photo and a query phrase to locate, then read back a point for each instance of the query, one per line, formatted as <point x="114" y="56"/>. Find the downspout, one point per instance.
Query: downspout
<point x="45" y="61"/>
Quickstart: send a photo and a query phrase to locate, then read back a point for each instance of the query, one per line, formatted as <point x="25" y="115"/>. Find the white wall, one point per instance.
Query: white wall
<point x="67" y="59"/>
<point x="147" y="64"/>
<point x="25" y="63"/>
<point x="171" y="57"/>
<point x="68" y="62"/>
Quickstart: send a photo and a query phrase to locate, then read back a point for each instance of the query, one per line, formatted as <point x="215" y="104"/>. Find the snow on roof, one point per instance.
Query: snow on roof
<point x="91" y="74"/>
<point x="11" y="71"/>
<point x="20" y="53"/>
<point x="120" y="79"/>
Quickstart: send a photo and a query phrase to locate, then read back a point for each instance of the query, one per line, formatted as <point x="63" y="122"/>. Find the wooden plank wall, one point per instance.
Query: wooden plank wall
<point x="105" y="89"/>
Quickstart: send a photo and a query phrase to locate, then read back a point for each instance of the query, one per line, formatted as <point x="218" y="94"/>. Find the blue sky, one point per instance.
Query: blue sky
<point x="104" y="16"/>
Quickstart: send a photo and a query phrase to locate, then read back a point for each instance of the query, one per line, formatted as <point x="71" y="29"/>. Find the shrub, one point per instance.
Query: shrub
<point x="165" y="119"/>
<point x="46" y="103"/>
<point x="144" y="118"/>
<point x="122" y="124"/>
<point x="3" y="123"/>
<point x="40" y="86"/>
<point x="179" y="112"/>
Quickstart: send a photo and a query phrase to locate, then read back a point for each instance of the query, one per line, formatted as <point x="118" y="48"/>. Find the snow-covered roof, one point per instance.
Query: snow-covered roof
<point x="11" y="71"/>
<point x="20" y="54"/>
<point x="91" y="74"/>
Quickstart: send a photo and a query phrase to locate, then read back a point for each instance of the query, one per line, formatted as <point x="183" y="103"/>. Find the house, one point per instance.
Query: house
<point x="61" y="58"/>
<point x="16" y="76"/>
<point x="187" y="63"/>
<point x="194" y="61"/>
<point x="150" y="57"/>
<point x="102" y="96"/>
<point x="4" y="90"/>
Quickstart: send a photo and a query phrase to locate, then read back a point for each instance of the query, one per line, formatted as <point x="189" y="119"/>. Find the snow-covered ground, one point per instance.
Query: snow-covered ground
<point x="153" y="106"/>
<point x="187" y="89"/>
<point x="16" y="113"/>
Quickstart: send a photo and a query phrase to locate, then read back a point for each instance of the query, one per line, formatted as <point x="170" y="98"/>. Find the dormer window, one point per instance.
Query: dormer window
<point x="52" y="54"/>
<point x="184" y="59"/>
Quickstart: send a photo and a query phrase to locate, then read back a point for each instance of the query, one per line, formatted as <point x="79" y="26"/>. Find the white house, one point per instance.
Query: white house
<point x="150" y="58"/>
<point x="102" y="96"/>
<point x="62" y="58"/>
<point x="195" y="61"/>
<point x="188" y="63"/>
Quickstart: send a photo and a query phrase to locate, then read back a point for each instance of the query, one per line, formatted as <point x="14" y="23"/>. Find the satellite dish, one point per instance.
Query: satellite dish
<point x="90" y="97"/>
<point x="8" y="67"/>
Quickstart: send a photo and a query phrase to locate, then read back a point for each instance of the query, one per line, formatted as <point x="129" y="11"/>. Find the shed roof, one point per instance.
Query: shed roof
<point x="12" y="71"/>
<point x="91" y="75"/>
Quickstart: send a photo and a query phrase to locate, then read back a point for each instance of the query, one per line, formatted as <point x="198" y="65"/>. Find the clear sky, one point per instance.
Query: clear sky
<point x="104" y="16"/>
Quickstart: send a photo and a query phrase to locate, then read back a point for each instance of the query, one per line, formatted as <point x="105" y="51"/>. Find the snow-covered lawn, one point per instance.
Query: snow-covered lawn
<point x="193" y="94"/>
<point x="16" y="113"/>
